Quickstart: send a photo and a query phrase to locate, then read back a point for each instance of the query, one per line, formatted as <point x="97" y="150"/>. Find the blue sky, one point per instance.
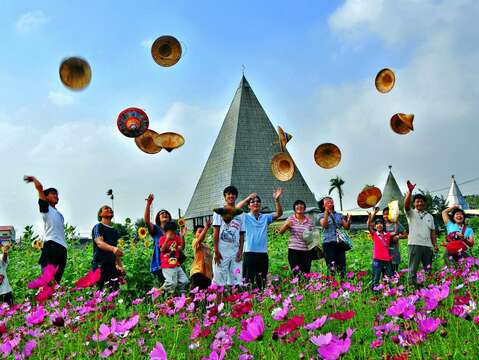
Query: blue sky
<point x="311" y="64"/>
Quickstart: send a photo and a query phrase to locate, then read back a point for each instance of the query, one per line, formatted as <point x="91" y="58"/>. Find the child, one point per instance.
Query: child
<point x="202" y="267"/>
<point x="381" y="240"/>
<point x="397" y="228"/>
<point x="5" y="288"/>
<point x="228" y="238"/>
<point x="171" y="245"/>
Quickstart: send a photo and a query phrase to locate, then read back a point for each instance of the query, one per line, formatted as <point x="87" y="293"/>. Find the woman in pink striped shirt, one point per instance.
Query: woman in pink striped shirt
<point x="299" y="257"/>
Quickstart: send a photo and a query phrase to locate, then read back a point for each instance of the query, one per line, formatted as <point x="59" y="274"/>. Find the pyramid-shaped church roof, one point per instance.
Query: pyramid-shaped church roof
<point x="241" y="156"/>
<point x="391" y="192"/>
<point x="455" y="196"/>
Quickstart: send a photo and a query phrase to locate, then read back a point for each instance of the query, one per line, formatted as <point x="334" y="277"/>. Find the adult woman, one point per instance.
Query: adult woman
<point x="299" y="257"/>
<point x="156" y="231"/>
<point x="457" y="230"/>
<point x="331" y="221"/>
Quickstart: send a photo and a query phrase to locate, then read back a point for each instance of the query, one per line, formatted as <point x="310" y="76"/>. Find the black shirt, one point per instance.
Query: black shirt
<point x="110" y="236"/>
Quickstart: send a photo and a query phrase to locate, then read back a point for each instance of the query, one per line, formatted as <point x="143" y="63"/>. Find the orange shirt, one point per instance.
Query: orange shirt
<point x="203" y="261"/>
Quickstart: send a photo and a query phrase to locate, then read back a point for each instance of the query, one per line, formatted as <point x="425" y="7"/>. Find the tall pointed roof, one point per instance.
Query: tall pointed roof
<point x="391" y="192"/>
<point x="455" y="196"/>
<point x="241" y="156"/>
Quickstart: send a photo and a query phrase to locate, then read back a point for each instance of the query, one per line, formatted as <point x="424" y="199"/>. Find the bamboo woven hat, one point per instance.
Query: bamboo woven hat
<point x="170" y="140"/>
<point x="147" y="142"/>
<point x="132" y="122"/>
<point x="327" y="155"/>
<point x="75" y="73"/>
<point x="284" y="137"/>
<point x="282" y="166"/>
<point x="402" y="123"/>
<point x="385" y="80"/>
<point x="227" y="213"/>
<point x="166" y="50"/>
<point x="369" y="197"/>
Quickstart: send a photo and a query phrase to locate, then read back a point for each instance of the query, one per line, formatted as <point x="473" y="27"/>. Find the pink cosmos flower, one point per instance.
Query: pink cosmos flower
<point x="158" y="352"/>
<point x="240" y="309"/>
<point x="427" y="325"/>
<point x="343" y="316"/>
<point x="89" y="279"/>
<point x="376" y="343"/>
<point x="110" y="350"/>
<point x="196" y="331"/>
<point x="36" y="316"/>
<point x="154" y="292"/>
<point x="321" y="340"/>
<point x="288" y="327"/>
<point x="334" y="349"/>
<point x="316" y="324"/>
<point x="28" y="348"/>
<point x="127" y="324"/>
<point x="48" y="274"/>
<point x="252" y="329"/>
<point x="411" y="337"/>
<point x="137" y="301"/>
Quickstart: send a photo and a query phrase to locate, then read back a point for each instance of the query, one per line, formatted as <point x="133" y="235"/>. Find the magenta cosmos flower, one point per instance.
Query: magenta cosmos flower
<point x="45" y="278"/>
<point x="158" y="352"/>
<point x="252" y="329"/>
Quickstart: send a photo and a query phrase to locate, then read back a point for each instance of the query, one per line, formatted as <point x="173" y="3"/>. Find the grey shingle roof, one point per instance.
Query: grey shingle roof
<point x="455" y="196"/>
<point x="391" y="192"/>
<point x="241" y="156"/>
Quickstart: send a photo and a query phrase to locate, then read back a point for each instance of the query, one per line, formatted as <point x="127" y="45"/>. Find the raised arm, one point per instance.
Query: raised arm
<point x="346" y="222"/>
<point x="203" y="233"/>
<point x="286" y="225"/>
<point x="407" y="198"/>
<point x="371" y="216"/>
<point x="147" y="215"/>
<point x="245" y="200"/>
<point x="324" y="221"/>
<point x="38" y="186"/>
<point x="445" y="214"/>
<point x="277" y="204"/>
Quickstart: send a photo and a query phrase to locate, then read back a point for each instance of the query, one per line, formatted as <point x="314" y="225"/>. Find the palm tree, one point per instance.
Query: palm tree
<point x="336" y="184"/>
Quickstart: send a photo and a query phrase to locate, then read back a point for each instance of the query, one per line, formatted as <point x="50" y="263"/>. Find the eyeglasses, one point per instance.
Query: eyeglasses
<point x="255" y="202"/>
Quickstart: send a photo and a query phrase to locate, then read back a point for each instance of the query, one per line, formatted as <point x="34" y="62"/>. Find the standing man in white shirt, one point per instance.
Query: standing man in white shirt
<point x="54" y="249"/>
<point x="422" y="241"/>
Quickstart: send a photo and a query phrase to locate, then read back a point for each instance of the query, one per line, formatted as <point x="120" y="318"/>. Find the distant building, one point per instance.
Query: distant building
<point x="7" y="233"/>
<point x="391" y="192"/>
<point x="455" y="196"/>
<point x="241" y="156"/>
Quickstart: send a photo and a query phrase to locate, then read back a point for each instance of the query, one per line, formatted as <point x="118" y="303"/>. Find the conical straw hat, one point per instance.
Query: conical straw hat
<point x="147" y="143"/>
<point x="166" y="50"/>
<point x="132" y="122"/>
<point x="282" y="166"/>
<point x="75" y="73"/>
<point x="402" y="123"/>
<point x="327" y="155"/>
<point x="369" y="197"/>
<point x="170" y="140"/>
<point x="385" y="80"/>
<point x="284" y="137"/>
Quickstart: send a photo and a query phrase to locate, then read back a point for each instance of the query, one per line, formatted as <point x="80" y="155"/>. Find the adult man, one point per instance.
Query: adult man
<point x="422" y="234"/>
<point x="106" y="254"/>
<point x="54" y="249"/>
<point x="255" y="256"/>
<point x="228" y="238"/>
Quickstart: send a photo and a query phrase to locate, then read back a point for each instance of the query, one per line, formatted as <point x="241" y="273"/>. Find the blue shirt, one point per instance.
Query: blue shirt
<point x="155" y="265"/>
<point x="329" y="234"/>
<point x="256" y="237"/>
<point x="451" y="227"/>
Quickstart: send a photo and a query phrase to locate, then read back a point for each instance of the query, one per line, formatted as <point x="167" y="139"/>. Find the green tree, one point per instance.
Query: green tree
<point x="28" y="235"/>
<point x="337" y="184"/>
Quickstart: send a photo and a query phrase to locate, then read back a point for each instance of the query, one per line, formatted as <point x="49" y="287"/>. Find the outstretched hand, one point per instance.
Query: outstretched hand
<point x="150" y="199"/>
<point x="277" y="193"/>
<point x="28" y="178"/>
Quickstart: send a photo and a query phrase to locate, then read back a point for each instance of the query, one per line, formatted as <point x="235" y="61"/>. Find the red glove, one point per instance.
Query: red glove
<point x="410" y="186"/>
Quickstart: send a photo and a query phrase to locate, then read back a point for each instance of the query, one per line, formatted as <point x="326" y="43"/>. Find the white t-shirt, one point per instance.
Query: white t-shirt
<point x="420" y="226"/>
<point x="5" y="286"/>
<point x="54" y="226"/>
<point x="228" y="243"/>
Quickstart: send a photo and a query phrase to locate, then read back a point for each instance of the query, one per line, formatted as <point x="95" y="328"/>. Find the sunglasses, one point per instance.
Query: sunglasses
<point x="255" y="202"/>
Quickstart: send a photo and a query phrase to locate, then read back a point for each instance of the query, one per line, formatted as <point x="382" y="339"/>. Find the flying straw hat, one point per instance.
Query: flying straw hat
<point x="132" y="122"/>
<point x="227" y="213"/>
<point x="170" y="140"/>
<point x="402" y="123"/>
<point x="369" y="197"/>
<point x="166" y="50"/>
<point x="282" y="166"/>
<point x="327" y="155"/>
<point x="284" y="137"/>
<point x="75" y="73"/>
<point x="146" y="142"/>
<point x="385" y="80"/>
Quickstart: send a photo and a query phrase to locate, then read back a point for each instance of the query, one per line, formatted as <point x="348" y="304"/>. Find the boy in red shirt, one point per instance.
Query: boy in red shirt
<point x="171" y="245"/>
<point x="381" y="259"/>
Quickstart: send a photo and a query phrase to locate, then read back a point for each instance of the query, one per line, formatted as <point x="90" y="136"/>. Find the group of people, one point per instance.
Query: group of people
<point x="239" y="252"/>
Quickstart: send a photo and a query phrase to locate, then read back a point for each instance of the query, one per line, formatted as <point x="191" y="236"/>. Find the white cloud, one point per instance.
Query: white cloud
<point x="83" y="160"/>
<point x="146" y="43"/>
<point x="438" y="83"/>
<point x="30" y="21"/>
<point x="60" y="98"/>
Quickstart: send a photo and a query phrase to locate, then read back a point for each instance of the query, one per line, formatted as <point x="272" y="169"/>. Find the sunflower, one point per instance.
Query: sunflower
<point x="146" y="243"/>
<point x="37" y="244"/>
<point x="181" y="222"/>
<point x="121" y="243"/>
<point x="142" y="232"/>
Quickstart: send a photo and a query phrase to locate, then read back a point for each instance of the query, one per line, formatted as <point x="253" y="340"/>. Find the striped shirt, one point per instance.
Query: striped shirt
<point x="297" y="228"/>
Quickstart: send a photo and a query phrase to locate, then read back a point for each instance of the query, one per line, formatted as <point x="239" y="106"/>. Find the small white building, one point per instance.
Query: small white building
<point x="7" y="233"/>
